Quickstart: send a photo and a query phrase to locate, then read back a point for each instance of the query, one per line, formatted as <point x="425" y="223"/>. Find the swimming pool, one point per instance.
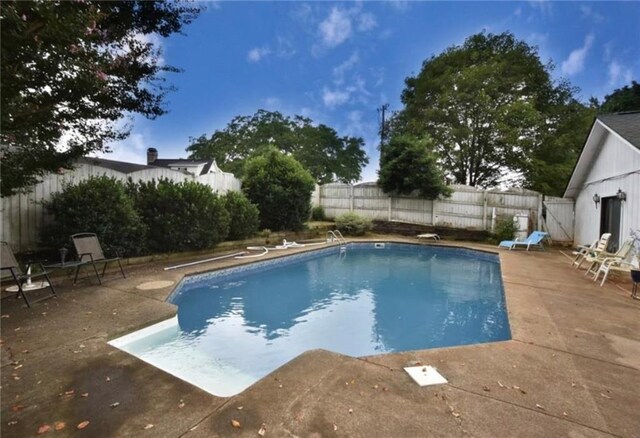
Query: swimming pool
<point x="235" y="326"/>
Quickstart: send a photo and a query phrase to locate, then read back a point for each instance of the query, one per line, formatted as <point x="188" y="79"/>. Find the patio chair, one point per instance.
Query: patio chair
<point x="612" y="264"/>
<point x="534" y="240"/>
<point x="596" y="248"/>
<point x="596" y="260"/>
<point x="8" y="262"/>
<point x="89" y="251"/>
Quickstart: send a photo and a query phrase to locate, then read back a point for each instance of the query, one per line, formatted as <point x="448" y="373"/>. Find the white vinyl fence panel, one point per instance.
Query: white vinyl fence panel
<point x="467" y="208"/>
<point x="23" y="215"/>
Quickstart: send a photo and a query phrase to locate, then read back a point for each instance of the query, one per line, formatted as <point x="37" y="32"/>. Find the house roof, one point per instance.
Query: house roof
<point x="176" y="162"/>
<point x="627" y="125"/>
<point x="119" y="166"/>
<point x="624" y="125"/>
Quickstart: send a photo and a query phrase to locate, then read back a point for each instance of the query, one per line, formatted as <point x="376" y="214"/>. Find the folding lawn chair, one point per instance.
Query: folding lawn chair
<point x="89" y="251"/>
<point x="8" y="262"/>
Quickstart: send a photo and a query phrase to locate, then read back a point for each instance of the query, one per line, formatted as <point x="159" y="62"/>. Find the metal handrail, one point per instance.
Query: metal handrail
<point x="336" y="235"/>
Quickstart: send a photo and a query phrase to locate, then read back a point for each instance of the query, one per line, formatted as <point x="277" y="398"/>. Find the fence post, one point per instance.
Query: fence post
<point x="484" y="209"/>
<point x="433" y="212"/>
<point x="351" y="198"/>
<point x="389" y="209"/>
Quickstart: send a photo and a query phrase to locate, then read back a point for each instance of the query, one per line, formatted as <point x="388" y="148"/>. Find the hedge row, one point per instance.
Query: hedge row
<point x="153" y="217"/>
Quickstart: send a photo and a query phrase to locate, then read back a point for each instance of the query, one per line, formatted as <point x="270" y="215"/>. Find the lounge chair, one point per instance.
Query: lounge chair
<point x="612" y="264"/>
<point x="428" y="236"/>
<point x="597" y="260"/>
<point x="89" y="251"/>
<point x="597" y="247"/>
<point x="8" y="262"/>
<point x="534" y="240"/>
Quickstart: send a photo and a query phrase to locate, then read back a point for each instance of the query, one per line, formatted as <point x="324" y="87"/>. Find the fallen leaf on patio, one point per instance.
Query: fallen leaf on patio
<point x="455" y="414"/>
<point x="279" y="386"/>
<point x="25" y="351"/>
<point x="107" y="379"/>
<point x="335" y="427"/>
<point x="540" y="407"/>
<point x="486" y="388"/>
<point x="194" y="428"/>
<point x="236" y="423"/>
<point x="70" y="392"/>
<point x="17" y="408"/>
<point x="84" y="394"/>
<point x="565" y="414"/>
<point x="16" y="377"/>
<point x="385" y="389"/>
<point x="181" y="404"/>
<point x="17" y="367"/>
<point x="12" y="423"/>
<point x="81" y="346"/>
<point x="148" y="426"/>
<point x="59" y="425"/>
<point x="605" y="396"/>
<point x="523" y="391"/>
<point x="17" y="329"/>
<point x="350" y="411"/>
<point x="262" y="430"/>
<point x="44" y="429"/>
<point x="240" y="408"/>
<point x="82" y="425"/>
<point x="500" y="384"/>
<point x="515" y="387"/>
<point x="375" y="386"/>
<point x="115" y="405"/>
<point x="573" y="384"/>
<point x="5" y="316"/>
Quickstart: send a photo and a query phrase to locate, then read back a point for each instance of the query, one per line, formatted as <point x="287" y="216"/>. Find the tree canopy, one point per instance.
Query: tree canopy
<point x="622" y="99"/>
<point x="70" y="71"/>
<point x="407" y="165"/>
<point x="281" y="188"/>
<point x="319" y="148"/>
<point x="487" y="105"/>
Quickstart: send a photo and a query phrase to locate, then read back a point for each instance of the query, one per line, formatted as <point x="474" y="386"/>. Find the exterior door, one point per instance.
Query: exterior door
<point x="610" y="221"/>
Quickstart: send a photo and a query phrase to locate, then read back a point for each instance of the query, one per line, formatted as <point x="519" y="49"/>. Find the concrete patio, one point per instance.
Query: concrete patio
<point x="571" y="369"/>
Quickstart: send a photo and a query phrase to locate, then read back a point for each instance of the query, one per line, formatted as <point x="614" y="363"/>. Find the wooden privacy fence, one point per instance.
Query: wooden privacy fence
<point x="23" y="215"/>
<point x="467" y="208"/>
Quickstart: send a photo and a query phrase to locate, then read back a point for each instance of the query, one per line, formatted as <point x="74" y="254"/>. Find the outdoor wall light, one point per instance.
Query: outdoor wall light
<point x="596" y="199"/>
<point x="621" y="195"/>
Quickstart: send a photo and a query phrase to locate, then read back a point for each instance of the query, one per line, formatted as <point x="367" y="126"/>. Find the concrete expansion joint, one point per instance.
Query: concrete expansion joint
<point x="571" y="353"/>
<point x="536" y="410"/>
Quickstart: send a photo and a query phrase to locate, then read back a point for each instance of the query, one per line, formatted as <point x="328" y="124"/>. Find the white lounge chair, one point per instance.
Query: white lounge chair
<point x="612" y="264"/>
<point x="597" y="247"/>
<point x="428" y="236"/>
<point x="597" y="260"/>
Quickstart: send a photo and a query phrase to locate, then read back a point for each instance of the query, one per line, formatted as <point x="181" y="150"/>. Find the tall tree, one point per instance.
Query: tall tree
<point x="626" y="98"/>
<point x="407" y="165"/>
<point x="486" y="104"/>
<point x="70" y="71"/>
<point x="319" y="148"/>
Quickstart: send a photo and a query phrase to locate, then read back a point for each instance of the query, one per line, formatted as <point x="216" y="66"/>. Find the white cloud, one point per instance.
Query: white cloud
<point x="334" y="98"/>
<point x="284" y="47"/>
<point x="340" y="70"/>
<point x="619" y="74"/>
<point x="257" y="53"/>
<point x="366" y="21"/>
<point x="132" y="149"/>
<point x="588" y="12"/>
<point x="575" y="62"/>
<point x="544" y="6"/>
<point x="336" y="28"/>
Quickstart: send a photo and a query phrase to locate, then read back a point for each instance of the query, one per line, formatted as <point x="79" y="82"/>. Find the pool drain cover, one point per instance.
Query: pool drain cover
<point x="425" y="375"/>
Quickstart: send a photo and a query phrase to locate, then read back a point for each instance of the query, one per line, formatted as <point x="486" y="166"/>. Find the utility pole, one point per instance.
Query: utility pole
<point x="381" y="120"/>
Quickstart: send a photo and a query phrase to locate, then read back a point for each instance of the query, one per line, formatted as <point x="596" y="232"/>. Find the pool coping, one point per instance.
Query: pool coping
<point x="565" y="331"/>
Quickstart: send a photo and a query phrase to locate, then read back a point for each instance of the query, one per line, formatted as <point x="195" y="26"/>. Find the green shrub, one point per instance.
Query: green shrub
<point x="281" y="188"/>
<point x="317" y="213"/>
<point x="244" y="216"/>
<point x="182" y="216"/>
<point x="350" y="224"/>
<point x="505" y="228"/>
<point x="98" y="205"/>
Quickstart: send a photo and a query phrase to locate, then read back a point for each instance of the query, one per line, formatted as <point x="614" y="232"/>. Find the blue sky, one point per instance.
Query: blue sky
<point x="337" y="62"/>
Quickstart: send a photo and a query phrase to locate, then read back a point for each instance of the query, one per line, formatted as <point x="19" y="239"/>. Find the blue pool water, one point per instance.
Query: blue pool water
<point x="235" y="326"/>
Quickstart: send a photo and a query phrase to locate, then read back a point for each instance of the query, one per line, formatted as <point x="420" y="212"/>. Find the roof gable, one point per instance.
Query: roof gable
<point x="625" y="126"/>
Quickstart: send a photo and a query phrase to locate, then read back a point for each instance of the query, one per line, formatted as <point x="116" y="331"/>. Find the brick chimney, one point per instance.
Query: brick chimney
<point x="152" y="155"/>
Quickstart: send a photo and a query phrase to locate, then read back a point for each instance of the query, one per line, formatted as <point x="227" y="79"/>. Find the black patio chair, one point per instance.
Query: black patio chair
<point x="8" y="262"/>
<point x="89" y="251"/>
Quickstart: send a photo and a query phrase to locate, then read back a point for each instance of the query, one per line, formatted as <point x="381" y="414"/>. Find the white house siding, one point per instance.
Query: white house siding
<point x="22" y="216"/>
<point x="615" y="159"/>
